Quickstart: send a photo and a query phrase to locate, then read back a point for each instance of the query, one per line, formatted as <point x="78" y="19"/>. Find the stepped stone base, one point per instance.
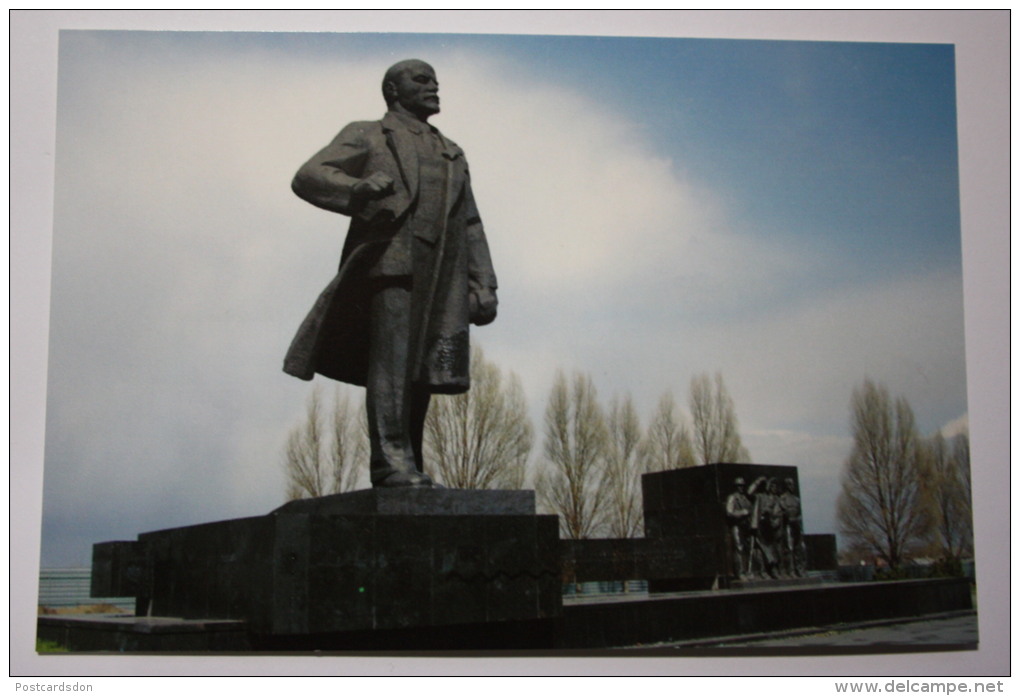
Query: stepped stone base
<point x="369" y="560"/>
<point x="625" y="621"/>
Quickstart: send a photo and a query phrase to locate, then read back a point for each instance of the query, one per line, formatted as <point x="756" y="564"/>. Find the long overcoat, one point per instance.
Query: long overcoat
<point x="445" y="260"/>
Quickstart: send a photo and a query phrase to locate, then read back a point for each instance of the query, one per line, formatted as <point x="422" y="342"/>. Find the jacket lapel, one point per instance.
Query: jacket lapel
<point x="400" y="142"/>
<point x="454" y="170"/>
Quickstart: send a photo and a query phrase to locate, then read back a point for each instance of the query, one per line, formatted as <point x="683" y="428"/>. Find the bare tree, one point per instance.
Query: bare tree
<point x="482" y="438"/>
<point x="319" y="460"/>
<point x="306" y="471"/>
<point x="882" y="507"/>
<point x="668" y="442"/>
<point x="624" y="466"/>
<point x="349" y="443"/>
<point x="572" y="483"/>
<point x="947" y="487"/>
<point x="716" y="432"/>
<point x="961" y="456"/>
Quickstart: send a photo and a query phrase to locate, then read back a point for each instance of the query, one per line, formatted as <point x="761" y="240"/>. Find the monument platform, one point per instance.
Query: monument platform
<point x="125" y="634"/>
<point x="665" y="618"/>
<point x="419" y="569"/>
<point x="621" y="621"/>
<point x="369" y="560"/>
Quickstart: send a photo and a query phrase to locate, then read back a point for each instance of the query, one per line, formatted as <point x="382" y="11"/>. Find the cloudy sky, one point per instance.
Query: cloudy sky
<point x="786" y="213"/>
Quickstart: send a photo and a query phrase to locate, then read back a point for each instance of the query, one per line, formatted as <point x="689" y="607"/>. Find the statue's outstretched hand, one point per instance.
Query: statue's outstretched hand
<point x="483" y="304"/>
<point x="376" y="185"/>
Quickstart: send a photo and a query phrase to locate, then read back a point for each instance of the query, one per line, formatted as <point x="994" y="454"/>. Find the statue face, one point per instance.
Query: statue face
<point x="417" y="89"/>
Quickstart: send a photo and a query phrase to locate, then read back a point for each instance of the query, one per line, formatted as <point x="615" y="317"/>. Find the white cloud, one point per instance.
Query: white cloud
<point x="957" y="426"/>
<point x="906" y="333"/>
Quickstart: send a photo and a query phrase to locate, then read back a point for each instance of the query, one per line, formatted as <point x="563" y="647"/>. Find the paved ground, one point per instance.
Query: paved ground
<point x="954" y="629"/>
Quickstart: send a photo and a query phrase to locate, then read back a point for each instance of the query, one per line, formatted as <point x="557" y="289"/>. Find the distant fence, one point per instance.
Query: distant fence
<point x="867" y="573"/>
<point x="606" y="587"/>
<point x="69" y="587"/>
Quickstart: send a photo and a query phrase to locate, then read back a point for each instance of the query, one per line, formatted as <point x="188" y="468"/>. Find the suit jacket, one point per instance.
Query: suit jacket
<point x="450" y="259"/>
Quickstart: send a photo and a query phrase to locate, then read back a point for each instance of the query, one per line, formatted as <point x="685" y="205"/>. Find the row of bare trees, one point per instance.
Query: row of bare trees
<point x="902" y="494"/>
<point x="589" y="472"/>
<point x="593" y="457"/>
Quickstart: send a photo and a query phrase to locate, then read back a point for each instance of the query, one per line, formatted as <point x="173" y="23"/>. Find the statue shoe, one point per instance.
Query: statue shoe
<point x="405" y="479"/>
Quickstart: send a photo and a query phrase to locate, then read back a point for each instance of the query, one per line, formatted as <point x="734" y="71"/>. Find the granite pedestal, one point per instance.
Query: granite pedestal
<point x="369" y="560"/>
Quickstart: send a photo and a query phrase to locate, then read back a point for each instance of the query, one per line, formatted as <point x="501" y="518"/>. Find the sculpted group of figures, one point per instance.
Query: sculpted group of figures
<point x="766" y="534"/>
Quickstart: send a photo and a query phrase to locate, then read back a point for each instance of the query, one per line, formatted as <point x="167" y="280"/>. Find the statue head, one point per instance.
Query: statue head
<point x="773" y="486"/>
<point x="790" y="486"/>
<point x="411" y="87"/>
<point x="738" y="483"/>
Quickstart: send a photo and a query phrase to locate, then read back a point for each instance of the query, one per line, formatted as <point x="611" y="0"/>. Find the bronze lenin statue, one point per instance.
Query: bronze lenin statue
<point x="414" y="272"/>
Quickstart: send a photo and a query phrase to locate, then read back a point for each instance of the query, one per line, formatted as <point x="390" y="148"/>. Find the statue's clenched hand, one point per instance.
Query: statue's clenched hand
<point x="376" y="185"/>
<point x="483" y="306"/>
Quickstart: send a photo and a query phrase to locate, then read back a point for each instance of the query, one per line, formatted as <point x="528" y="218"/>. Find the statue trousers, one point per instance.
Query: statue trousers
<point x="395" y="404"/>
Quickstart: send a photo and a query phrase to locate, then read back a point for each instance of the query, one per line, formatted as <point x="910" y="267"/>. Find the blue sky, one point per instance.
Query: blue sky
<point x="786" y="213"/>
